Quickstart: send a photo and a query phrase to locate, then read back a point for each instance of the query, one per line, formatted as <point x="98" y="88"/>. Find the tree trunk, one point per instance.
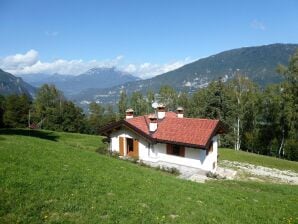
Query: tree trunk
<point x="238" y="134"/>
<point x="281" y="148"/>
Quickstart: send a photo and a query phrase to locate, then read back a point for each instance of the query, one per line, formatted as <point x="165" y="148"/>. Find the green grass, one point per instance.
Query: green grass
<point x="252" y="158"/>
<point x="54" y="177"/>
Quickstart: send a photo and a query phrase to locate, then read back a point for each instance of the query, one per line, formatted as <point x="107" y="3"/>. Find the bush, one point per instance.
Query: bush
<point x="171" y="170"/>
<point x="103" y="149"/>
<point x="291" y="149"/>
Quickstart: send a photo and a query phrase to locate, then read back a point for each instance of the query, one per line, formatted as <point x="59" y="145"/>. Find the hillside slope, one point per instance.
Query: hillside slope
<point x="58" y="178"/>
<point x="258" y="63"/>
<point x="10" y="84"/>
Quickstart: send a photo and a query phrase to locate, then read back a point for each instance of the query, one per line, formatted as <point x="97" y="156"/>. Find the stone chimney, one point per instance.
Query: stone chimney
<point x="153" y="122"/>
<point x="161" y="111"/>
<point x="129" y="113"/>
<point x="180" y="112"/>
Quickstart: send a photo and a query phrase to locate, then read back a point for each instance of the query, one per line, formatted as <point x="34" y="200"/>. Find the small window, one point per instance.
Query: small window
<point x="176" y="150"/>
<point x="210" y="149"/>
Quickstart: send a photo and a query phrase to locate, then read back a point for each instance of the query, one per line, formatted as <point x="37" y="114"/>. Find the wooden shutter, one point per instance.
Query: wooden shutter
<point x="182" y="151"/>
<point x="121" y="146"/>
<point x="169" y="149"/>
<point x="135" y="148"/>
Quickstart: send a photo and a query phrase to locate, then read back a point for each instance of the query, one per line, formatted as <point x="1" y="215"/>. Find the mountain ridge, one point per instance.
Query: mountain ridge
<point x="10" y="84"/>
<point x="258" y="63"/>
<point x="93" y="78"/>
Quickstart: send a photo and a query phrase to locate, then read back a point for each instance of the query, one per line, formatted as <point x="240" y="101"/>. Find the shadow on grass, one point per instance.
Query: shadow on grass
<point x="32" y="133"/>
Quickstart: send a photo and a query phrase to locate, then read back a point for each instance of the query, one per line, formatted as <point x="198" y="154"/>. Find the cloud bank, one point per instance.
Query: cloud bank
<point x="29" y="63"/>
<point x="257" y="25"/>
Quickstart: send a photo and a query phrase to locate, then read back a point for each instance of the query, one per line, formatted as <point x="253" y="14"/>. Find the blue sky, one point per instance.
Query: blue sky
<point x="141" y="37"/>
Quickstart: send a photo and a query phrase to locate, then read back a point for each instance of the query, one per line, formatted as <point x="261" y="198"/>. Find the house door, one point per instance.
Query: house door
<point x="132" y="147"/>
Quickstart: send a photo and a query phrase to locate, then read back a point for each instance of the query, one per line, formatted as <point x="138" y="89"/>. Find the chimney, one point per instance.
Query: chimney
<point x="153" y="122"/>
<point x="161" y="111"/>
<point x="129" y="113"/>
<point x="180" y="111"/>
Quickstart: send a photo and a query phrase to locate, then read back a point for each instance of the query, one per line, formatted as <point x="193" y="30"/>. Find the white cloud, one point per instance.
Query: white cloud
<point x="147" y="70"/>
<point x="257" y="25"/>
<point x="51" y="33"/>
<point x="29" y="63"/>
<point x="19" y="60"/>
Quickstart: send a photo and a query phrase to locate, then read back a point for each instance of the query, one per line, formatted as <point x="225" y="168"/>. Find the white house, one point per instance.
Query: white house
<point x="166" y="139"/>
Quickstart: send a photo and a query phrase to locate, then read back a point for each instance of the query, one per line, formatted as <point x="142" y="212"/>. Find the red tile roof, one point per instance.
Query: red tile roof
<point x="186" y="131"/>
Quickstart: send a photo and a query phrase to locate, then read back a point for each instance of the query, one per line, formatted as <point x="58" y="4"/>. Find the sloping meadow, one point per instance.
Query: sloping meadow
<point x="57" y="177"/>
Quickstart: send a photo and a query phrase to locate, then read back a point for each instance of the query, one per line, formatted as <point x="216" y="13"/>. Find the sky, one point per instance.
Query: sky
<point x="144" y="38"/>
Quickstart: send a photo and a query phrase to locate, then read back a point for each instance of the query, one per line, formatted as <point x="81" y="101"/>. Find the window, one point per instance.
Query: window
<point x="176" y="150"/>
<point x="210" y="149"/>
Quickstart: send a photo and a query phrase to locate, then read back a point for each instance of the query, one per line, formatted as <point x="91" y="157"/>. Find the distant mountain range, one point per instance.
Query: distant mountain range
<point x="257" y="63"/>
<point x="10" y="84"/>
<point x="94" y="78"/>
<point x="103" y="85"/>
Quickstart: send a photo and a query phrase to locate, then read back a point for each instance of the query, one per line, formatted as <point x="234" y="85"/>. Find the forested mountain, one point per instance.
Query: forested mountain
<point x="258" y="63"/>
<point x="93" y="78"/>
<point x="10" y="84"/>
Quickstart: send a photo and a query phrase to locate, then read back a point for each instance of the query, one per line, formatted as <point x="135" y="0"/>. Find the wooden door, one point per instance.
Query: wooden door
<point x="121" y="146"/>
<point x="135" y="148"/>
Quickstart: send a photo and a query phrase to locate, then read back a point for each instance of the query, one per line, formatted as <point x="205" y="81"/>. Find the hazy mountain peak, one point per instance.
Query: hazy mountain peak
<point x="258" y="63"/>
<point x="10" y="84"/>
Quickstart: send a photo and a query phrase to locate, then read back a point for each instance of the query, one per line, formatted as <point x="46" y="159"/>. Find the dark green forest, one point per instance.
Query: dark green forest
<point x="261" y="120"/>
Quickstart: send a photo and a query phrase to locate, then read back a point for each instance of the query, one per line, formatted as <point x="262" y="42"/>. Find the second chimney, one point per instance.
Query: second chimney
<point x="153" y="122"/>
<point x="161" y="111"/>
<point x="129" y="113"/>
<point x="180" y="111"/>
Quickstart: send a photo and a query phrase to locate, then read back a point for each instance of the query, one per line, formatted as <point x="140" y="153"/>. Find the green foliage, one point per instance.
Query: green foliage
<point x="95" y="119"/>
<point x="168" y="97"/>
<point x="138" y="103"/>
<point x="65" y="181"/>
<point x="122" y="104"/>
<point x="2" y="109"/>
<point x="291" y="149"/>
<point x="54" y="112"/>
<point x="16" y="111"/>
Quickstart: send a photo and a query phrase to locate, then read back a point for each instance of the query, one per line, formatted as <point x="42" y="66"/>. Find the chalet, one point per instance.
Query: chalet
<point x="167" y="139"/>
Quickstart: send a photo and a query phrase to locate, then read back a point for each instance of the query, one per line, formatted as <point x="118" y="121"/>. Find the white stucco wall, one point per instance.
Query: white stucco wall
<point x="156" y="153"/>
<point x="114" y="146"/>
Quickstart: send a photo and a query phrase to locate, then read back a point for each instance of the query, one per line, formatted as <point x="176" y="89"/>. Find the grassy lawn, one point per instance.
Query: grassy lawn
<point x="252" y="158"/>
<point x="56" y="177"/>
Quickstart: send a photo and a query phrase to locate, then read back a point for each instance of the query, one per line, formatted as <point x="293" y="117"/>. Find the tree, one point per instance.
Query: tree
<point x="183" y="101"/>
<point x="48" y="107"/>
<point x="150" y="99"/>
<point x="54" y="112"/>
<point x="241" y="88"/>
<point x="16" y="111"/>
<point x="96" y="114"/>
<point x="138" y="103"/>
<point x="2" y="109"/>
<point x="72" y="118"/>
<point x="122" y="104"/>
<point x="168" y="96"/>
<point x="290" y="105"/>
